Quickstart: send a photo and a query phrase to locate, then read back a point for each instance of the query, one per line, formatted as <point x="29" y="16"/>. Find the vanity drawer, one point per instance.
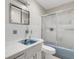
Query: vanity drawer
<point x="20" y="55"/>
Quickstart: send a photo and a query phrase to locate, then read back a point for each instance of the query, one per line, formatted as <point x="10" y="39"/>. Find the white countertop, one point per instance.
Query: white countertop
<point x="13" y="47"/>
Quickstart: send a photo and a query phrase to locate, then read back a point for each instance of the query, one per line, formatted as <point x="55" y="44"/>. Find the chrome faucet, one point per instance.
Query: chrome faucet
<point x="30" y="34"/>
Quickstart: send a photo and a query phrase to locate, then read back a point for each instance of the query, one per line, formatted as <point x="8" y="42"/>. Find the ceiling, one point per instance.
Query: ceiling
<point x="48" y="4"/>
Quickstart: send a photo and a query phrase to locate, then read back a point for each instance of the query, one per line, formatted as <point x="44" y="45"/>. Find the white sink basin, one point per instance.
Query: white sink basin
<point x="28" y="41"/>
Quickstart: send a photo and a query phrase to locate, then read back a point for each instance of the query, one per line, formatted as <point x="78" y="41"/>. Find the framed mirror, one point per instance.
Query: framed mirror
<point x="18" y="15"/>
<point x="15" y="14"/>
<point x="25" y="17"/>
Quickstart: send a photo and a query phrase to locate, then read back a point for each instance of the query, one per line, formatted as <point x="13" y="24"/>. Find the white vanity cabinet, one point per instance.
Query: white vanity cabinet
<point x="33" y="52"/>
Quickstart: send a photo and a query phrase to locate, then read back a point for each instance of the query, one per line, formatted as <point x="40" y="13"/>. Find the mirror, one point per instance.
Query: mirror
<point x="25" y="17"/>
<point x="15" y="14"/>
<point x="18" y="15"/>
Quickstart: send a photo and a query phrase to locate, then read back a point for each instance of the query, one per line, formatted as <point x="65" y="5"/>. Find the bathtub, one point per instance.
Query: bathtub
<point x="62" y="52"/>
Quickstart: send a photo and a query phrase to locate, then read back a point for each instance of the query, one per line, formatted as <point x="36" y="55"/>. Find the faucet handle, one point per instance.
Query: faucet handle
<point x="31" y="31"/>
<point x="26" y="31"/>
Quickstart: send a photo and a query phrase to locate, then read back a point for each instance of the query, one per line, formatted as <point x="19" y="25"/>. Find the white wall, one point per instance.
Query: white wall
<point x="35" y="19"/>
<point x="35" y="22"/>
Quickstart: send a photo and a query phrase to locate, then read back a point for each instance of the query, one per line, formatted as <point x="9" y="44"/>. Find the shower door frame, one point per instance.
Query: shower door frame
<point x="57" y="12"/>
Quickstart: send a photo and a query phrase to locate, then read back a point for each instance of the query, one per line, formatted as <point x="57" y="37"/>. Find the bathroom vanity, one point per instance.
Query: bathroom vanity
<point x="16" y="50"/>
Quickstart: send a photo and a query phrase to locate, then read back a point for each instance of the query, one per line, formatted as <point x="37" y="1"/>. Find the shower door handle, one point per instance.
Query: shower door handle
<point x="51" y="29"/>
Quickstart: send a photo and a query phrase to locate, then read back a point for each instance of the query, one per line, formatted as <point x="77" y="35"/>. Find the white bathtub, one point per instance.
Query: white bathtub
<point x="62" y="52"/>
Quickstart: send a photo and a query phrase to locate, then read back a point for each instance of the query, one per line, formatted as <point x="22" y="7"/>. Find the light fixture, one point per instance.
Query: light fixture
<point x="25" y="2"/>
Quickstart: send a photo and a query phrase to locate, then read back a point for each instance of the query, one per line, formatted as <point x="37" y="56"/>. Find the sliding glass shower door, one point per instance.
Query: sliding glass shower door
<point x="59" y="29"/>
<point x="49" y="28"/>
<point x="65" y="29"/>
